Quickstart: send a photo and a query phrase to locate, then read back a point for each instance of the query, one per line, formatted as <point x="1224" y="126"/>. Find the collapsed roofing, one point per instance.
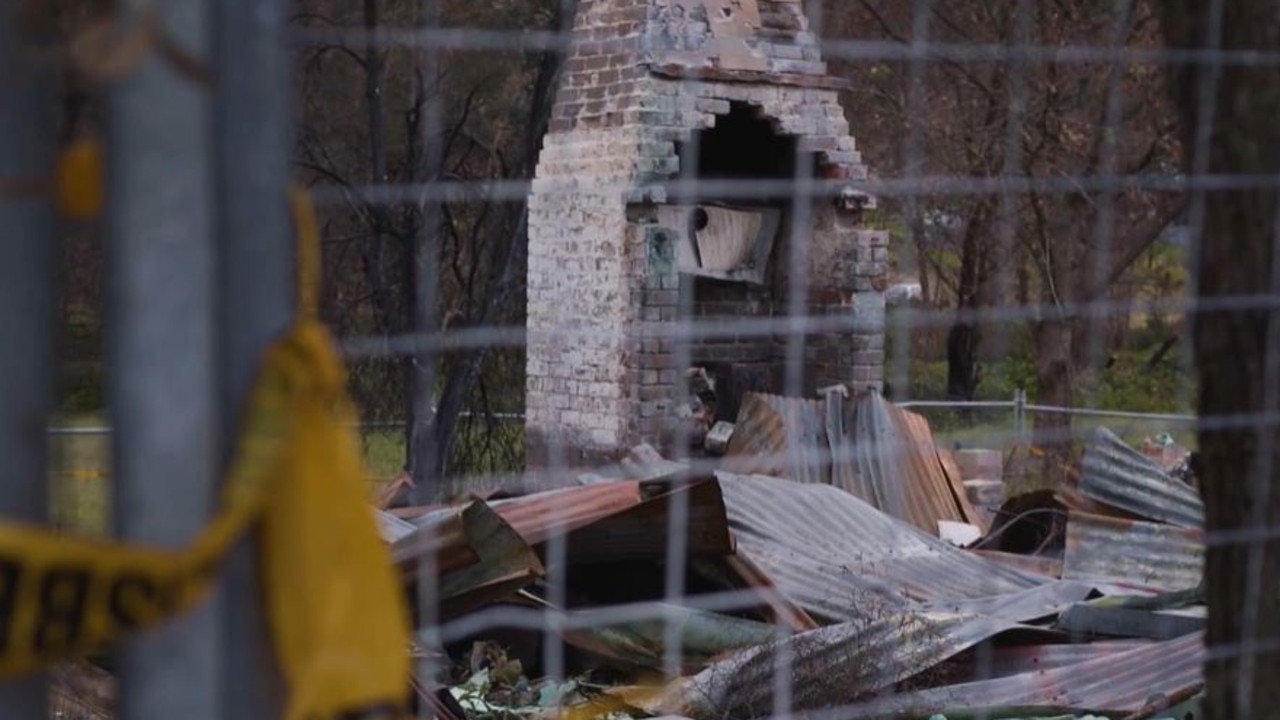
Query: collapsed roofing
<point x="816" y="569"/>
<point x="817" y="550"/>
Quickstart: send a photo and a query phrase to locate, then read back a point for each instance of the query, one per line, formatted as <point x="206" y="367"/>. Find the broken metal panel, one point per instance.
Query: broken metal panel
<point x="838" y="664"/>
<point x="1099" y="620"/>
<point x="619" y="520"/>
<point x="874" y="450"/>
<point x="842" y="560"/>
<point x="1114" y="685"/>
<point x="770" y="438"/>
<point x="479" y="557"/>
<point x="536" y="517"/>
<point x="1120" y="476"/>
<point x="1133" y="553"/>
<point x="914" y="464"/>
<point x="643" y="531"/>
<point x="897" y="464"/>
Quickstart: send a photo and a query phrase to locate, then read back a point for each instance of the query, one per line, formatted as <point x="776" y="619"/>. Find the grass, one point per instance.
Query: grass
<point x="81" y="465"/>
<point x="1129" y="385"/>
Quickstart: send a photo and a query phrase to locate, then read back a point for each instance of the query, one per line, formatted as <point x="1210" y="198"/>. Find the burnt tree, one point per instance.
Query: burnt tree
<point x="1237" y="343"/>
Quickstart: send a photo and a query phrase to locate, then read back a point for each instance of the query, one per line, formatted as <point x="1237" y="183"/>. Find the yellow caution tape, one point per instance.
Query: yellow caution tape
<point x="80" y="180"/>
<point x="336" y="613"/>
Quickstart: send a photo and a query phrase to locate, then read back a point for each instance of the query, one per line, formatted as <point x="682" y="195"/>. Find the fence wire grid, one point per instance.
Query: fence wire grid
<point x="1042" y="229"/>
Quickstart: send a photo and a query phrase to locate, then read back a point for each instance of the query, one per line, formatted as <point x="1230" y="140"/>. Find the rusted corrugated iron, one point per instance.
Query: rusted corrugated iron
<point x="1110" y="686"/>
<point x="536" y="517"/>
<point x="1132" y="553"/>
<point x="841" y="559"/>
<point x="486" y="551"/>
<point x="955" y="479"/>
<point x="1120" y="476"/>
<point x="479" y="557"/>
<point x="872" y="449"/>
<point x="782" y="437"/>
<point x="836" y="665"/>
<point x="615" y="521"/>
<point x="931" y="494"/>
<point x="633" y="514"/>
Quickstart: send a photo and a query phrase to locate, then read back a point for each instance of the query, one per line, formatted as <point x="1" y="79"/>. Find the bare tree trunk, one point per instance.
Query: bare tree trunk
<point x="965" y="335"/>
<point x="1054" y="386"/>
<point x="425" y="456"/>
<point x="373" y="255"/>
<point x="433" y="441"/>
<point x="1238" y="351"/>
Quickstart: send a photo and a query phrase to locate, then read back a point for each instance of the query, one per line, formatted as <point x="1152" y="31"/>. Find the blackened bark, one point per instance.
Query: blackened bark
<point x="966" y="335"/>
<point x="1237" y="348"/>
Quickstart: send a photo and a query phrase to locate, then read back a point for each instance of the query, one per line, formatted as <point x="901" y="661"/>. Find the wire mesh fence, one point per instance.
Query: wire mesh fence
<point x="714" y="358"/>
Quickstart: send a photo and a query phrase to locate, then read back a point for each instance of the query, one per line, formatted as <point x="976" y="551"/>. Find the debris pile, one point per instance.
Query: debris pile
<point x="834" y="557"/>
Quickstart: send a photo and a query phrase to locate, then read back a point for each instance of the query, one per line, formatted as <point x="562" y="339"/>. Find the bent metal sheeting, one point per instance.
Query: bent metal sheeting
<point x="873" y="449"/>
<point x="842" y="560"/>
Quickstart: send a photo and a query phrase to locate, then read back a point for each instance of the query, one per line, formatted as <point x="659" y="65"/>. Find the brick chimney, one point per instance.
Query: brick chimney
<point x="654" y="90"/>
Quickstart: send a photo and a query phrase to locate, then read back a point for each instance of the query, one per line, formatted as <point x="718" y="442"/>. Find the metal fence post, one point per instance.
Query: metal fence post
<point x="161" y="343"/>
<point x="252" y="100"/>
<point x="1020" y="415"/>
<point x="27" y="145"/>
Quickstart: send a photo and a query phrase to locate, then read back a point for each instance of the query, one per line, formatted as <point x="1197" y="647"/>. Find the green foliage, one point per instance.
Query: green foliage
<point x="1128" y="385"/>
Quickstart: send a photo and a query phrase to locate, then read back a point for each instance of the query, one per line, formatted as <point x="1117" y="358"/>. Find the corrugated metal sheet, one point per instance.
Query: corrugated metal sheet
<point x="1015" y="659"/>
<point x="872" y="449"/>
<point x="539" y="515"/>
<point x="479" y="557"/>
<point x="613" y="521"/>
<point x="1118" y="475"/>
<point x="1132" y="553"/>
<point x="841" y="559"/>
<point x="1047" y="567"/>
<point x="392" y="528"/>
<point x="781" y="611"/>
<point x="1040" y="602"/>
<point x="782" y="437"/>
<point x="931" y="494"/>
<point x="837" y="665"/>
<point x="1113" y="685"/>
